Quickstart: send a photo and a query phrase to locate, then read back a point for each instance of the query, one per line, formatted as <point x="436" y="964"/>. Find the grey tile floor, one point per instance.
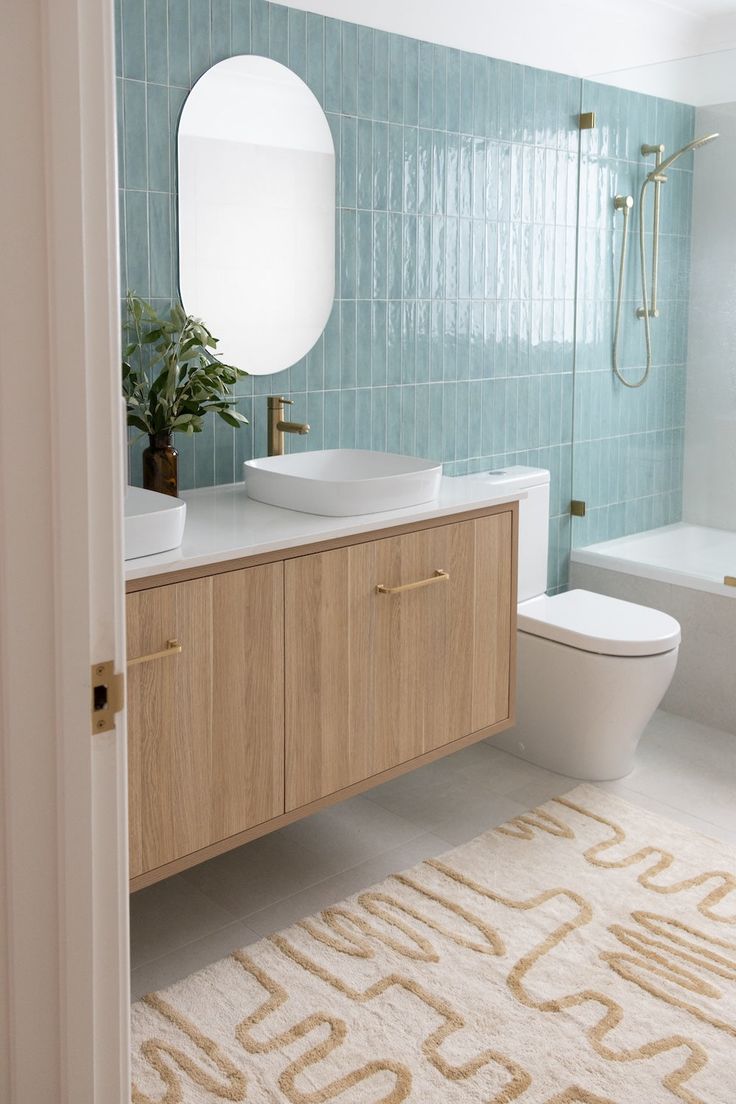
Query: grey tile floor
<point x="684" y="770"/>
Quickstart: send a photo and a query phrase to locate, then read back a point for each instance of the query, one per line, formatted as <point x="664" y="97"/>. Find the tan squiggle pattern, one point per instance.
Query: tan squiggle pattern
<point x="386" y="907"/>
<point x="657" y="958"/>
<point x="613" y="1013"/>
<point x="663" y="862"/>
<point x="164" y="1057"/>
<point x="459" y="983"/>
<point x="452" y="1022"/>
<point x="522" y="827"/>
<point x="278" y="996"/>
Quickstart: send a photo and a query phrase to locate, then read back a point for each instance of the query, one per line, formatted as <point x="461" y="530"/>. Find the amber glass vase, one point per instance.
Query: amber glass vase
<point x="161" y="465"/>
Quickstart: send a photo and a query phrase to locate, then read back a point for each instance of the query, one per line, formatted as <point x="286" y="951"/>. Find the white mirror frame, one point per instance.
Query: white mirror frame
<point x="256" y="165"/>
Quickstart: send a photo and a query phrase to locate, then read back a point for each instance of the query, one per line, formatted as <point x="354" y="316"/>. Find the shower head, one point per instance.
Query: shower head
<point x="695" y="144"/>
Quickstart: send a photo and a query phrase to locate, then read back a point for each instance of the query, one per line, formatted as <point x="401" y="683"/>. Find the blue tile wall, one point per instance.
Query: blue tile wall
<point x="453" y="330"/>
<point x="628" y="443"/>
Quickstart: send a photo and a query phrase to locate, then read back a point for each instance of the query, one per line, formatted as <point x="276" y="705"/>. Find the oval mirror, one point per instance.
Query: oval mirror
<point x="256" y="212"/>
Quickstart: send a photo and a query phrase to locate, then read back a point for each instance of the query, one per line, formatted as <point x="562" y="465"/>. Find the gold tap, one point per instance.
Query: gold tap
<point x="277" y="428"/>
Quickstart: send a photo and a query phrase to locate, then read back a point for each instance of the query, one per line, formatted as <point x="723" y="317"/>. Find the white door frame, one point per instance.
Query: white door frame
<point x="63" y="856"/>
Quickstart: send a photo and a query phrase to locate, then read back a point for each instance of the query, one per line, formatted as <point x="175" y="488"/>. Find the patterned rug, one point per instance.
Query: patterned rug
<point x="584" y="953"/>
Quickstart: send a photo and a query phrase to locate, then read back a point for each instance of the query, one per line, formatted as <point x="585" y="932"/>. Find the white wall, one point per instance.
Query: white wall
<point x="579" y="37"/>
<point x="710" y="436"/>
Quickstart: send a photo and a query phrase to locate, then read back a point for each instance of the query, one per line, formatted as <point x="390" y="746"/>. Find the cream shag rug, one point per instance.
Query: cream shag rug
<point x="584" y="953"/>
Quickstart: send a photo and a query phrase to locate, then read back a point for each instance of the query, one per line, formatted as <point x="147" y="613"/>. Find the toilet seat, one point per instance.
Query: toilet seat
<point x="596" y="623"/>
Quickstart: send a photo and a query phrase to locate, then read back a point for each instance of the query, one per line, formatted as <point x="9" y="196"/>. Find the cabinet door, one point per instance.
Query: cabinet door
<point x="375" y="679"/>
<point x="169" y="723"/>
<point x="205" y="727"/>
<point x="248" y="699"/>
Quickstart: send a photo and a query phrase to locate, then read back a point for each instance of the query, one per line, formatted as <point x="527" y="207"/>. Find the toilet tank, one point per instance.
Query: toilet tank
<point x="533" y="524"/>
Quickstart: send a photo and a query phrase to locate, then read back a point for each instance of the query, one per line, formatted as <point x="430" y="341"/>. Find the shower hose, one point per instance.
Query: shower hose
<point x="644" y="291"/>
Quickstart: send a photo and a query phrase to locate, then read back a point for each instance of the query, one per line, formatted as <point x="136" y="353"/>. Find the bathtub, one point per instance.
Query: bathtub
<point x="679" y="569"/>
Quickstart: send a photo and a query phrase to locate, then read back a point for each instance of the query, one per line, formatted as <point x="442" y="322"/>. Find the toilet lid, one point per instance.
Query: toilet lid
<point x="597" y="623"/>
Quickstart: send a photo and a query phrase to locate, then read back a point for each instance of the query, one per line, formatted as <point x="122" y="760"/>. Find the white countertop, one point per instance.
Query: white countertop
<point x="224" y="524"/>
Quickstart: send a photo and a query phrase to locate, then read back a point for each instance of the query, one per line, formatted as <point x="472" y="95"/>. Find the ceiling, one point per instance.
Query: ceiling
<point x="580" y="37"/>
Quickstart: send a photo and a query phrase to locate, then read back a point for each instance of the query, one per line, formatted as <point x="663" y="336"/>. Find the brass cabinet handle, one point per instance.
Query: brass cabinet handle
<point x="439" y="576"/>
<point x="173" y="647"/>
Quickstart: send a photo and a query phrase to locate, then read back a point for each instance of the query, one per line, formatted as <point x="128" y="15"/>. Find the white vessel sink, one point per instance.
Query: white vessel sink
<point x="153" y="522"/>
<point x="342" y="482"/>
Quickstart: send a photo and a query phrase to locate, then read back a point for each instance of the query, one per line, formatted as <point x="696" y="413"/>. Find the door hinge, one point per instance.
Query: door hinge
<point x="108" y="694"/>
<point x="577" y="507"/>
<point x="586" y="120"/>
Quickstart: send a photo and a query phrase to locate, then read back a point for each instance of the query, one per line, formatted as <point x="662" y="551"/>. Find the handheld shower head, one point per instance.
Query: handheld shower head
<point x="695" y="144"/>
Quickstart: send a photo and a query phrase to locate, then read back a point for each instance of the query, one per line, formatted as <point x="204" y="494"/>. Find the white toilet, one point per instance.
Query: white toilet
<point x="591" y="669"/>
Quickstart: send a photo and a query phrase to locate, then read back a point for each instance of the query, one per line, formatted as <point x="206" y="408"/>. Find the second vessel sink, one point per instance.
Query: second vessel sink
<point x="342" y="482"/>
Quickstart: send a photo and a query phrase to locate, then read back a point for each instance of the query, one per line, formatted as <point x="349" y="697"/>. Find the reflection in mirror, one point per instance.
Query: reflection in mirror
<point x="256" y="212"/>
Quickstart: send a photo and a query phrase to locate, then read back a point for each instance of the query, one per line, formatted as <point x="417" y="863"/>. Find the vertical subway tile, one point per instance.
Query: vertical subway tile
<point x="220" y="29"/>
<point x="348" y="161"/>
<point x="439" y="88"/>
<point x="158" y="136"/>
<point x="380" y="255"/>
<point x="239" y="26"/>
<point x="136" y="224"/>
<point x="394" y="249"/>
<point x="395" y="168"/>
<point x="316" y="55"/>
<point x="381" y="60"/>
<point x="365" y="162"/>
<point x="380" y="166"/>
<point x="347" y="417"/>
<point x="409" y="257"/>
<point x="333" y="65"/>
<point x="178" y="43"/>
<point x="424" y="172"/>
<point x="365" y="72"/>
<point x="349" y="64"/>
<point x="363" y="343"/>
<point x="134" y="39"/>
<point x="157" y="66"/>
<point x="364" y="254"/>
<point x="348" y="346"/>
<point x="393" y="343"/>
<point x="396" y="79"/>
<point x="408" y="343"/>
<point x="453" y="90"/>
<point x="348" y="262"/>
<point x="411" y="81"/>
<point x="393" y="419"/>
<point x="278" y="33"/>
<point x="332" y="348"/>
<point x="410" y="170"/>
<point x="425" y="114"/>
<point x="200" y="46"/>
<point x="422" y="329"/>
<point x="467" y="98"/>
<point x="424" y="257"/>
<point x="160" y="245"/>
<point x="135" y="146"/>
<point x="298" y="42"/>
<point x="331" y="419"/>
<point x="259" y="28"/>
<point x="379" y="333"/>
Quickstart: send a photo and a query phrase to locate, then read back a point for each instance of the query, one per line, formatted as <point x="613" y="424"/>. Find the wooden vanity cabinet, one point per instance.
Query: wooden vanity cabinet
<point x="311" y="677"/>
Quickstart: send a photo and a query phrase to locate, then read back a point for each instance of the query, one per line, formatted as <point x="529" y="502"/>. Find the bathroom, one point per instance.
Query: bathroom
<point x="427" y="629"/>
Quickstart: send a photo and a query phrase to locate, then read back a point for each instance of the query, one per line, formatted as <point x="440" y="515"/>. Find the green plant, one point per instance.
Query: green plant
<point x="171" y="379"/>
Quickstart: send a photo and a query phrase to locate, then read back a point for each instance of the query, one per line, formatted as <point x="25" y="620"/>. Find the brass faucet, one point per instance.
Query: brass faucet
<point x="277" y="428"/>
